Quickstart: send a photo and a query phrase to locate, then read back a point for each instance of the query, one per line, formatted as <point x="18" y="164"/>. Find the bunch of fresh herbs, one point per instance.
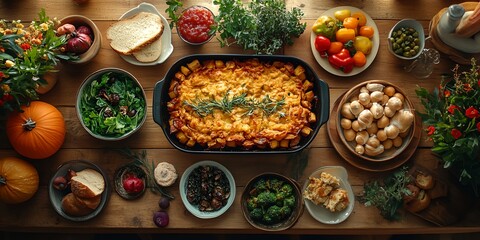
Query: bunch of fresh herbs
<point x="263" y="26"/>
<point x="387" y="194"/>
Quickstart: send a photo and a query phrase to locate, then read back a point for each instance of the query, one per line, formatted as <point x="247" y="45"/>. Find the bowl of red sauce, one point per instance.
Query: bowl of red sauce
<point x="194" y="25"/>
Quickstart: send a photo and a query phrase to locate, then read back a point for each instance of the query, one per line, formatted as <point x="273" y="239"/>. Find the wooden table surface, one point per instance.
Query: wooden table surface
<point x="135" y="216"/>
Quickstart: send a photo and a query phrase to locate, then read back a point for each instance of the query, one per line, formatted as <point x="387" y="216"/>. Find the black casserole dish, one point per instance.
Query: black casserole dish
<point x="319" y="105"/>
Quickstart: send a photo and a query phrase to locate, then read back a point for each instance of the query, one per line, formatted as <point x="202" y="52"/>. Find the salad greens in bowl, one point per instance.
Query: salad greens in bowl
<point x="111" y="104"/>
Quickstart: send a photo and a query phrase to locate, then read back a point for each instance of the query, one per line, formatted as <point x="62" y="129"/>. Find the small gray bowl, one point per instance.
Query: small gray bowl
<point x="408" y="23"/>
<point x="97" y="76"/>
<point x="56" y="196"/>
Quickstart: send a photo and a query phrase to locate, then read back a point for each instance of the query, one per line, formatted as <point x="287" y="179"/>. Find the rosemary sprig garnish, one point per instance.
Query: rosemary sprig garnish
<point x="205" y="107"/>
<point x="140" y="160"/>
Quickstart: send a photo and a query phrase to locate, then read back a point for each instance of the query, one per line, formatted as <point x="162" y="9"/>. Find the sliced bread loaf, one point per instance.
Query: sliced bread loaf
<point x="72" y="206"/>
<point x="132" y="34"/>
<point x="88" y="183"/>
<point x="149" y="53"/>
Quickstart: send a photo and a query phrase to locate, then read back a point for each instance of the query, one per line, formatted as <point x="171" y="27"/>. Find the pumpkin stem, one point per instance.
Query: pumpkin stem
<point x="29" y="124"/>
<point x="3" y="181"/>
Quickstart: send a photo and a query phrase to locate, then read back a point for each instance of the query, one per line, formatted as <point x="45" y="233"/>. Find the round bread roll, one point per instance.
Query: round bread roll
<point x="165" y="174"/>
<point x="421" y="202"/>
<point x="71" y="205"/>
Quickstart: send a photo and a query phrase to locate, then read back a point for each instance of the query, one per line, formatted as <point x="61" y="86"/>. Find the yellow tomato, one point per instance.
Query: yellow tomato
<point x="342" y="14"/>
<point x="350" y="22"/>
<point x="362" y="20"/>
<point x="363" y="44"/>
<point x="344" y="35"/>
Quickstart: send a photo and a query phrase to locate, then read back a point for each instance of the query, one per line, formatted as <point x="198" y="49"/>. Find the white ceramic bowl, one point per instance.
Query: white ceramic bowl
<point x="194" y="208"/>
<point x="97" y="76"/>
<point x="78" y="20"/>
<point x="407" y="23"/>
<point x="57" y="195"/>
<point x="319" y="212"/>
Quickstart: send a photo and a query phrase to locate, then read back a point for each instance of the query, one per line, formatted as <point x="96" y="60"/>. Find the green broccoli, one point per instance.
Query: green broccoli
<point x="274" y="213"/>
<point x="260" y="186"/>
<point x="287" y="189"/>
<point x="275" y="184"/>
<point x="285" y="211"/>
<point x="289" y="201"/>
<point x="266" y="199"/>
<point x="256" y="214"/>
<point x="252" y="203"/>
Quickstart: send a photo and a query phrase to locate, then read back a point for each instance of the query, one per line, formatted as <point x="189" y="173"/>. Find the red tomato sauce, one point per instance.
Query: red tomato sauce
<point x="194" y="24"/>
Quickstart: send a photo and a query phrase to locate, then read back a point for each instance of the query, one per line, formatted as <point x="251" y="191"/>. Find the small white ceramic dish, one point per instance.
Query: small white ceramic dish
<point x="194" y="208"/>
<point x="406" y="23"/>
<point x="319" y="212"/>
<point x="167" y="47"/>
<point x="56" y="196"/>
<point x="370" y="57"/>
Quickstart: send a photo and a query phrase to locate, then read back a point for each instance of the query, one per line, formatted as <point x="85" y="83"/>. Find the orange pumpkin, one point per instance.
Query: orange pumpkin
<point x="18" y="180"/>
<point x="38" y="132"/>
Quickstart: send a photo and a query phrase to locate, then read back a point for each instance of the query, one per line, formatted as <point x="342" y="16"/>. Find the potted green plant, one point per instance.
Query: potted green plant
<point x="452" y="123"/>
<point x="27" y="53"/>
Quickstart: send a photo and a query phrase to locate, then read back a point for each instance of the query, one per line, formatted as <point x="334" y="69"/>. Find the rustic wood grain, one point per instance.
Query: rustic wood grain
<point x="135" y="216"/>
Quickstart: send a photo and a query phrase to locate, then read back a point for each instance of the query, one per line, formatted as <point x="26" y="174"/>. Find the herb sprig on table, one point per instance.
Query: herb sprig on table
<point x="387" y="195"/>
<point x="263" y="26"/>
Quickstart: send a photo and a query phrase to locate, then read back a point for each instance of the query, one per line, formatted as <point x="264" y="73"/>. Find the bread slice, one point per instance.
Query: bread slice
<point x="73" y="207"/>
<point x="132" y="34"/>
<point x="88" y="183"/>
<point x="150" y="52"/>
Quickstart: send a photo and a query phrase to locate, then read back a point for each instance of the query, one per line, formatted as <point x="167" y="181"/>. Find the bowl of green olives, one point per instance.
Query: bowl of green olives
<point x="406" y="39"/>
<point x="272" y="202"/>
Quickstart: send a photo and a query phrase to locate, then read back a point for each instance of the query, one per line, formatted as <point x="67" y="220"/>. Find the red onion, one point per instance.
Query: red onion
<point x="85" y="30"/>
<point x="79" y="43"/>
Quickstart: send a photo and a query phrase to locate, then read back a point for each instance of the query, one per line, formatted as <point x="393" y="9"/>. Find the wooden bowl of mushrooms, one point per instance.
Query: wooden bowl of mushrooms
<point x="376" y="120"/>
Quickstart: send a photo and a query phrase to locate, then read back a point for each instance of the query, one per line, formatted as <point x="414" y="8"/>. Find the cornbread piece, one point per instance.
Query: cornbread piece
<point x="326" y="191"/>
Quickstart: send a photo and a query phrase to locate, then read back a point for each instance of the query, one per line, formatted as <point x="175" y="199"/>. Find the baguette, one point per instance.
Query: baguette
<point x="132" y="34"/>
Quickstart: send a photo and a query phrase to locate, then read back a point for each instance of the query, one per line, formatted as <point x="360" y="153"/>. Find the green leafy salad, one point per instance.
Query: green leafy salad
<point x="112" y="105"/>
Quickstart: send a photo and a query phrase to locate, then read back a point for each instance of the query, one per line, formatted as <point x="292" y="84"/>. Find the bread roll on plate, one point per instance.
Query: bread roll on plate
<point x="88" y="183"/>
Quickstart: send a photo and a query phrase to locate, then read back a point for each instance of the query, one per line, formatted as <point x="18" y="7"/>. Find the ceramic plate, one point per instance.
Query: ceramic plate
<point x="167" y="47"/>
<point x="319" y="212"/>
<point x="370" y="57"/>
<point x="194" y="208"/>
<point x="56" y="196"/>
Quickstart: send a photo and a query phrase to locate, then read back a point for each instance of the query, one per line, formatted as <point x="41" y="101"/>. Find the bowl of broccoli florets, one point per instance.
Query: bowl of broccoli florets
<point x="272" y="202"/>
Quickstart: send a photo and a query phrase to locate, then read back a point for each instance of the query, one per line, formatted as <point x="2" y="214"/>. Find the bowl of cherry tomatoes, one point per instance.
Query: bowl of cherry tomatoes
<point x="344" y="40"/>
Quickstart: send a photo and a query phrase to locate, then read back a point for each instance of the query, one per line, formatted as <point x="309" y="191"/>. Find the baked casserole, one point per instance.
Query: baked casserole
<point x="244" y="104"/>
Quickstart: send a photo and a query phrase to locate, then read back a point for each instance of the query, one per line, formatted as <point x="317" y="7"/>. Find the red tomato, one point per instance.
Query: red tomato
<point x="322" y="44"/>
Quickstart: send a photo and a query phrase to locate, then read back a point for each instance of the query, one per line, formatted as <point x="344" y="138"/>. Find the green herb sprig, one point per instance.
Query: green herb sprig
<point x="263" y="26"/>
<point x="140" y="160"/>
<point x="173" y="6"/>
<point x="205" y="107"/>
<point x="387" y="195"/>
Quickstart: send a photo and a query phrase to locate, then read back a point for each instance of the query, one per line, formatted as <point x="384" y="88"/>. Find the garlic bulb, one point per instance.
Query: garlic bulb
<point x="394" y="103"/>
<point x="365" y="118"/>
<point x="377" y="110"/>
<point x="374" y="151"/>
<point x="359" y="149"/>
<point x="345" y="111"/>
<point x="392" y="131"/>
<point x="403" y="119"/>
<point x="375" y="87"/>
<point x="356" y="108"/>
<point x="364" y="98"/>
<point x="361" y="137"/>
<point x="376" y="96"/>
